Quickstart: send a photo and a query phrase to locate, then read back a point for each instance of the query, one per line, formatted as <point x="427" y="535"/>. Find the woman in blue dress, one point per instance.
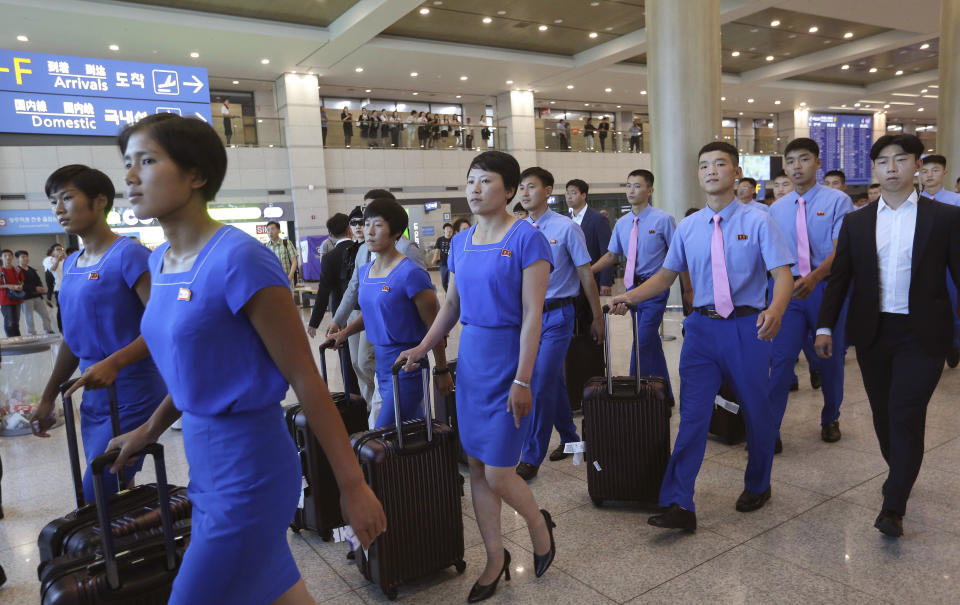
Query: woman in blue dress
<point x="500" y="269"/>
<point x="397" y="303"/>
<point x="102" y="296"/>
<point x="227" y="338"/>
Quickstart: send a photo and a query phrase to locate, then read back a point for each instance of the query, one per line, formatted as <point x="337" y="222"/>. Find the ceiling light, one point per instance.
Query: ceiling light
<point x="643" y="92"/>
<point x="586" y="104"/>
<point x="619" y="106"/>
<point x="873" y="70"/>
<point x="265" y="61"/>
<point x="899" y="72"/>
<point x="368" y="90"/>
<point x="501" y="12"/>
<point x="416" y="93"/>
<point x="236" y="81"/>
<point x="922" y="46"/>
<point x="924" y="91"/>
<point x="887" y="106"/>
<point x="358" y="69"/>
<point x="749" y="100"/>
<point x="459" y="96"/>
<point x="509" y="81"/>
<point x="775" y="23"/>
<point x="856" y="104"/>
<point x="462" y="78"/>
<point x="594" y="4"/>
<point x="723" y="98"/>
<point x="488" y="20"/>
<point x="777" y="102"/>
<point x="770" y="57"/>
<point x="558" y="21"/>
<point x="414" y="74"/>
<point x="845" y="66"/>
<point x="114" y="47"/>
<point x="569" y="86"/>
<point x="813" y="29"/>
<point x="553" y="102"/>
<point x="803" y="104"/>
<point x="919" y="108"/>
<point x="848" y="35"/>
<point x="424" y="11"/>
<point x="735" y="53"/>
<point x="741" y="113"/>
<point x="543" y="28"/>
<point x="195" y="55"/>
<point x="607" y="90"/>
<point x="593" y="34"/>
<point x="23" y="38"/>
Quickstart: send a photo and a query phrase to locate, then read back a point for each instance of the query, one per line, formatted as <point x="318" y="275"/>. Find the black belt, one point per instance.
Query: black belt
<point x="798" y="277"/>
<point x="557" y="303"/>
<point x="737" y="312"/>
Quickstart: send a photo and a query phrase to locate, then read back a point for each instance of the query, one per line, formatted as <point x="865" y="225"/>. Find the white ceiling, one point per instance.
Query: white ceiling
<point x="232" y="48"/>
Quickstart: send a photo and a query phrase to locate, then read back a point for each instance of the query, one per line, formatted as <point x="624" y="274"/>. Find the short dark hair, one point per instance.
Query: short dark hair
<point x="191" y="143"/>
<point x="908" y="142"/>
<point x="445" y="225"/>
<point x="752" y="181"/>
<point x="90" y="181"/>
<point x="874" y="186"/>
<point x="20" y="253"/>
<point x="375" y="194"/>
<point x="71" y="250"/>
<point x="273" y="223"/>
<point x="645" y="174"/>
<point x="460" y="221"/>
<point x="543" y="175"/>
<point x="780" y="175"/>
<point x="500" y="163"/>
<point x="338" y="224"/>
<point x="53" y="247"/>
<point x="5" y="250"/>
<point x="839" y="173"/>
<point x="580" y="184"/>
<point x="518" y="207"/>
<point x="935" y="159"/>
<point x="357" y="212"/>
<point x="723" y="146"/>
<point x="803" y="143"/>
<point x="389" y="210"/>
<point x="691" y="211"/>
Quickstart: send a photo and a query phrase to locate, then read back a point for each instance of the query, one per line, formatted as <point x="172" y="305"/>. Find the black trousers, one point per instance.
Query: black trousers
<point x="11" y="320"/>
<point x="899" y="376"/>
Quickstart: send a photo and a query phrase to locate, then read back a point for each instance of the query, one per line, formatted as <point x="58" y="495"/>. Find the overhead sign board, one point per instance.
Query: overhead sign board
<point x="58" y="94"/>
<point x="844" y="141"/>
<point x="27" y="222"/>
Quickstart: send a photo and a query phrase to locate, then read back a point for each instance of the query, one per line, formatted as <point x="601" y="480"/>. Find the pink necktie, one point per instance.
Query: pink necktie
<point x="722" y="300"/>
<point x="628" y="276"/>
<point x="803" y="240"/>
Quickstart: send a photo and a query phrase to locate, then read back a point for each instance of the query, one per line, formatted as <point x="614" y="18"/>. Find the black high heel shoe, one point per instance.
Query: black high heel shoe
<point x="479" y="592"/>
<point x="542" y="562"/>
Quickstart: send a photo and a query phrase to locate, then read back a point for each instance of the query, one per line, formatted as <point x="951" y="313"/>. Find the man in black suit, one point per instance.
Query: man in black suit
<point x="596" y="228"/>
<point x="896" y="251"/>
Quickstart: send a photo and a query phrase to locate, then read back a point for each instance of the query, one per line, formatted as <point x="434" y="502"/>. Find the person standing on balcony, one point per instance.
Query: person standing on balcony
<point x="589" y="130"/>
<point x="562" y="135"/>
<point x="635" y="137"/>
<point x="604" y="131"/>
<point x="347" y="118"/>
<point x="227" y="126"/>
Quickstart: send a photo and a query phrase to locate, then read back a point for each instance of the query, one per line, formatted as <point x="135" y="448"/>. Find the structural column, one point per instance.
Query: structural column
<point x="948" y="119"/>
<point x="683" y="63"/>
<point x="298" y="103"/>
<point x="515" y="114"/>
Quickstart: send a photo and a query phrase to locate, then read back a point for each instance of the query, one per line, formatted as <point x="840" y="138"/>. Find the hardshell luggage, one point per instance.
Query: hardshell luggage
<point x="142" y="573"/>
<point x="412" y="469"/>
<point x="446" y="409"/>
<point x="319" y="509"/>
<point x="727" y="425"/>
<point x="626" y="428"/>
<point x="135" y="512"/>
<point x="584" y="358"/>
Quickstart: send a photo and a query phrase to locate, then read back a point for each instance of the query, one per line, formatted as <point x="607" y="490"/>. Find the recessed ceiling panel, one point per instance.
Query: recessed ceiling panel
<point x="909" y="60"/>
<point x="302" y="12"/>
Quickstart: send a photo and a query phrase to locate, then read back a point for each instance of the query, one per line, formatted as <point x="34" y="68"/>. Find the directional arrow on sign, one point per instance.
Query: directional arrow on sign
<point x="197" y="84"/>
<point x="199" y="115"/>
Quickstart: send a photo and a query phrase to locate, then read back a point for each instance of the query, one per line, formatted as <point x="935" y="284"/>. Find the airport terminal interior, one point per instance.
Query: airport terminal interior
<point x="317" y="102"/>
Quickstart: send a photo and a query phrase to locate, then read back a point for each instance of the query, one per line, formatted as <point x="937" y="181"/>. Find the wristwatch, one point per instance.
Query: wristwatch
<point x="439" y="371"/>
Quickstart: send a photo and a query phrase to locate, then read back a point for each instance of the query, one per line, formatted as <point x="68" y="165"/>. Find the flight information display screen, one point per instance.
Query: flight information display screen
<point x="844" y="141"/>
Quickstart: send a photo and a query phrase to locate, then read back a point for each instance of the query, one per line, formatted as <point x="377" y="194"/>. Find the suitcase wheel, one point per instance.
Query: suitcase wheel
<point x="460" y="566"/>
<point x="391" y="593"/>
<point x="597" y="502"/>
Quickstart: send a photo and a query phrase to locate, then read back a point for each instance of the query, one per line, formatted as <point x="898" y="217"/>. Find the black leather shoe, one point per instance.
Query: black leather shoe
<point x="830" y="432"/>
<point x="542" y="562"/>
<point x="675" y="517"/>
<point x="889" y="523"/>
<point x="795" y="386"/>
<point x="953" y="358"/>
<point x="479" y="592"/>
<point x="778" y="446"/>
<point x="558" y="454"/>
<point x="671" y="401"/>
<point x="527" y="471"/>
<point x="815" y="381"/>
<point x="749" y="501"/>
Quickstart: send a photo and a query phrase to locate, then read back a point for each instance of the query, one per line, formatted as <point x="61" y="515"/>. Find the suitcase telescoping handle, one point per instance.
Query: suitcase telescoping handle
<point x="344" y="360"/>
<point x="73" y="448"/>
<point x="606" y="344"/>
<point x="98" y="466"/>
<point x="428" y="413"/>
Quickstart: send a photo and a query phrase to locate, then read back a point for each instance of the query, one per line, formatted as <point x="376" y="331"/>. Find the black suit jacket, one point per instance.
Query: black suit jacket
<point x="331" y="288"/>
<point x="596" y="228"/>
<point x="936" y="247"/>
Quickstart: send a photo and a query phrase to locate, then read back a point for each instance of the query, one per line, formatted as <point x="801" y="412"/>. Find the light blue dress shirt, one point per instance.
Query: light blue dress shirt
<point x="656" y="229"/>
<point x="826" y="208"/>
<point x="569" y="248"/>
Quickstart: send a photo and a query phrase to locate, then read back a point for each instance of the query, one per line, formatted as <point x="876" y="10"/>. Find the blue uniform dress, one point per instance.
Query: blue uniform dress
<point x="489" y="280"/>
<point x="244" y="471"/>
<point x="101" y="315"/>
<point x="724" y="350"/>
<point x="949" y="197"/>
<point x="552" y="404"/>
<point x="393" y="325"/>
<point x="655" y="232"/>
<point x="825" y="208"/>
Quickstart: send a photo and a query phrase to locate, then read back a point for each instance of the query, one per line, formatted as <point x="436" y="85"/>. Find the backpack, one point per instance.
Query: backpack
<point x="349" y="262"/>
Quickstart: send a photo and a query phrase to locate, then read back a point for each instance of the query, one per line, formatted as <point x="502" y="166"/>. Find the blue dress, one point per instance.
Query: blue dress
<point x="101" y="314"/>
<point x="244" y="471"/>
<point x="489" y="280"/>
<point x="393" y="325"/>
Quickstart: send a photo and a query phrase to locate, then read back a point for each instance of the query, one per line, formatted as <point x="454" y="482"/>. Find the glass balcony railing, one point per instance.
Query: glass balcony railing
<point x="445" y="137"/>
<point x="574" y="140"/>
<point x="251" y="131"/>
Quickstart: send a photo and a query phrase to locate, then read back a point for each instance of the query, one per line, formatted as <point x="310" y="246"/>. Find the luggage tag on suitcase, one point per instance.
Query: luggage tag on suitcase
<point x="730" y="406"/>
<point x="577" y="448"/>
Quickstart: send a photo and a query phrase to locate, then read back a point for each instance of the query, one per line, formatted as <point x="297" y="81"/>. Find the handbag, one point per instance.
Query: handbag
<point x="13" y="294"/>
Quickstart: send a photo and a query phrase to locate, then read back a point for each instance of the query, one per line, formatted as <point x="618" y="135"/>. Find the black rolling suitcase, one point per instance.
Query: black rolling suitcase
<point x="727" y="425"/>
<point x="413" y="472"/>
<point x="141" y="573"/>
<point x="584" y="358"/>
<point x="446" y="409"/>
<point x="319" y="509"/>
<point x="626" y="427"/>
<point x="135" y="510"/>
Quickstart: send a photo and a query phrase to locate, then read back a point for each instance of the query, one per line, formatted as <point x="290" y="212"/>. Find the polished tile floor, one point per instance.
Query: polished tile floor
<point x="813" y="543"/>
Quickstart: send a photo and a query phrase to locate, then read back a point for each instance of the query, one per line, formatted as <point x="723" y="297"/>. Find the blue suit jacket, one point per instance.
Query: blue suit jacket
<point x="596" y="229"/>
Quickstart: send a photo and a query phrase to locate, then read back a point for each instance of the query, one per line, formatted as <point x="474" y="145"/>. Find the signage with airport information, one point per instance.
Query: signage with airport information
<point x="28" y="222"/>
<point x="844" y="141"/>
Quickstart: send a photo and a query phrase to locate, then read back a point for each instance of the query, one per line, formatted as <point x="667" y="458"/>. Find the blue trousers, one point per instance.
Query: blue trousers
<point x="652" y="361"/>
<point x="411" y="386"/>
<point x="714" y="351"/>
<point x="952" y="292"/>
<point x="551" y="405"/>
<point x="798" y="320"/>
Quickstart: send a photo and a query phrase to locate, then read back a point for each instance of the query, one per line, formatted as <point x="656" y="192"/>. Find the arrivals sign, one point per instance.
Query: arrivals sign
<point x="58" y="94"/>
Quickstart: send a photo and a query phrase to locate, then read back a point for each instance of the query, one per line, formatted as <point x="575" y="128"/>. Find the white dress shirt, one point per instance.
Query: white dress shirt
<point x="895" y="231"/>
<point x="578" y="216"/>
